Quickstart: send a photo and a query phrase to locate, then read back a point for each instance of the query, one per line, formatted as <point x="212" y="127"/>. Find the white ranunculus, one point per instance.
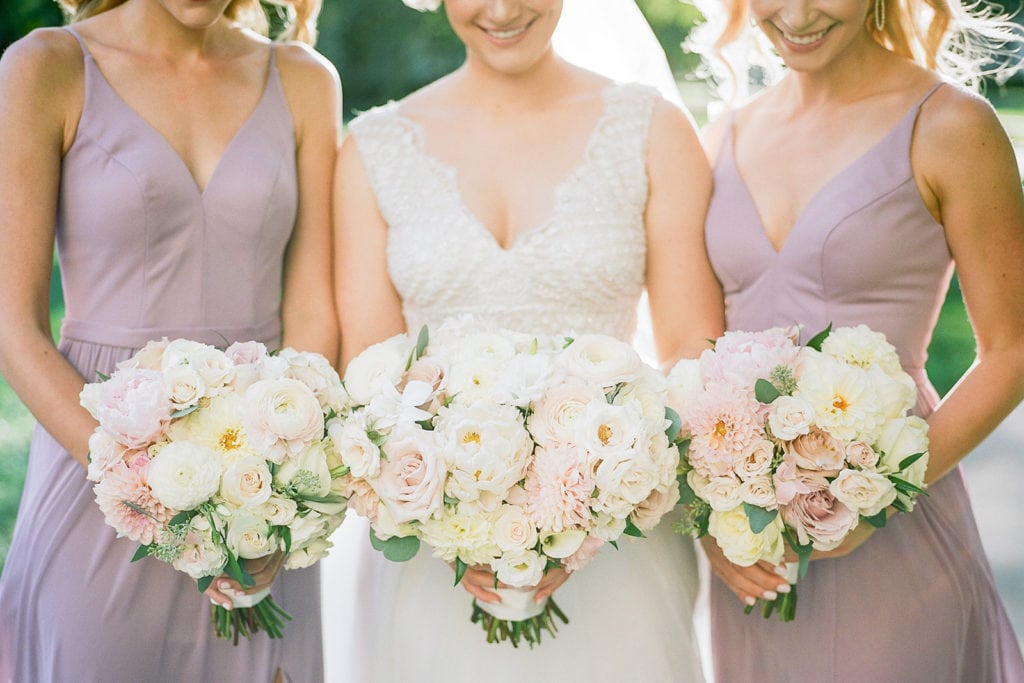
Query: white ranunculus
<point x="562" y="544"/>
<point x="789" y="417"/>
<point x="602" y="359"/>
<point x="554" y="417"/>
<point x="731" y="530"/>
<point x="308" y="555"/>
<point x="866" y="492"/>
<point x="353" y="445"/>
<point x="184" y="475"/>
<point x="759" y="491"/>
<point x="723" y="493"/>
<point x="381" y="363"/>
<point x="249" y="537"/>
<point x="246" y="482"/>
<point x="512" y="529"/>
<point x="520" y="568"/>
<point x="282" y="418"/>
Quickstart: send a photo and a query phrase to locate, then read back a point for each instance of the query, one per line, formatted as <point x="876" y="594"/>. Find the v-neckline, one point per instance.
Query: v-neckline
<point x="200" y="191"/>
<point x="451" y="176"/>
<point x="815" y="197"/>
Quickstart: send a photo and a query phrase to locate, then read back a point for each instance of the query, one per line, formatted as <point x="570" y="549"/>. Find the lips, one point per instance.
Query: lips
<point x="805" y="38"/>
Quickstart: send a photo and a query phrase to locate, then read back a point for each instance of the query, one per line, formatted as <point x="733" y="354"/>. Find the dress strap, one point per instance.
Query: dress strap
<point x="931" y="91"/>
<point x="81" y="41"/>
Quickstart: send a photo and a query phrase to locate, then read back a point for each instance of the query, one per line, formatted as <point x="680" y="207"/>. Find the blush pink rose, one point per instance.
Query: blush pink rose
<point x="791" y="481"/>
<point x="818" y="451"/>
<point x="820" y="518"/>
<point x="411" y="480"/>
<point x="134" y="407"/>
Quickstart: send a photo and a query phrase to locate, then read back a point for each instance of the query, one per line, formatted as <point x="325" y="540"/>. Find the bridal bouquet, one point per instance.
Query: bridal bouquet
<point x="512" y="452"/>
<point x="796" y="445"/>
<point x="207" y="457"/>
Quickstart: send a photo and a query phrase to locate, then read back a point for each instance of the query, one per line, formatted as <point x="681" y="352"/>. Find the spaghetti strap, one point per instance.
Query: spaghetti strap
<point x="930" y="92"/>
<point x="81" y="41"/>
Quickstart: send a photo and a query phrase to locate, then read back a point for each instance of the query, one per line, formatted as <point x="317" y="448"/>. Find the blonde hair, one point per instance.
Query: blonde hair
<point x="297" y="16"/>
<point x="963" y="43"/>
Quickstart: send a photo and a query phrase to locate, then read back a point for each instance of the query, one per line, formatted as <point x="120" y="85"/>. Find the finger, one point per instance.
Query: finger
<point x="749" y="586"/>
<point x="481" y="593"/>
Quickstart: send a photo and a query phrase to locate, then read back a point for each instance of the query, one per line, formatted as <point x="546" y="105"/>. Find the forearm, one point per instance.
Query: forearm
<point x="985" y="395"/>
<point x="49" y="386"/>
<point x="312" y="332"/>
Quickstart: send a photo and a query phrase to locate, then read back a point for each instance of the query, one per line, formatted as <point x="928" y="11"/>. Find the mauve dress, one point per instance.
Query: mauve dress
<point x="144" y="254"/>
<point x="917" y="601"/>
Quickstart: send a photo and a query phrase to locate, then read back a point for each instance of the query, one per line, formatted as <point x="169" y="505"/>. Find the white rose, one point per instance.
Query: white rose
<point x="305" y="528"/>
<point x="759" y="491"/>
<point x="757" y="462"/>
<point x="901" y="438"/>
<point x="562" y="544"/>
<point x="353" y="445"/>
<point x="278" y="511"/>
<point x="308" y="555"/>
<point x="182" y="352"/>
<point x="731" y="530"/>
<point x="184" y="386"/>
<point x="789" y="417"/>
<point x="214" y="368"/>
<point x="249" y="537"/>
<point x="602" y="359"/>
<point x="647" y="515"/>
<point x="199" y="555"/>
<point x="554" y="417"/>
<point x="383" y="362"/>
<point x="866" y="492"/>
<point x="519" y="569"/>
<point x="723" y="493"/>
<point x="246" y="483"/>
<point x="282" y="417"/>
<point x="184" y="475"/>
<point x="411" y="481"/>
<point x="512" y="529"/>
<point x="859" y="454"/>
<point x="698" y="482"/>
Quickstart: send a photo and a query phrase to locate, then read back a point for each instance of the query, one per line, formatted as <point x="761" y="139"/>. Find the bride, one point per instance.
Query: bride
<point x="540" y="197"/>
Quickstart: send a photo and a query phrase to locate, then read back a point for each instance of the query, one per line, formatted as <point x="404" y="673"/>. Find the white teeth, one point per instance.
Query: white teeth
<point x="504" y="35"/>
<point x="805" y="39"/>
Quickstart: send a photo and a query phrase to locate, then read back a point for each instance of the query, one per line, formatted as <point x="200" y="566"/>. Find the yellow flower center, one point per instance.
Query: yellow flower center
<point x="604" y="433"/>
<point x="839" y="403"/>
<point x="471" y="437"/>
<point x="230" y="439"/>
<point x="720" y="428"/>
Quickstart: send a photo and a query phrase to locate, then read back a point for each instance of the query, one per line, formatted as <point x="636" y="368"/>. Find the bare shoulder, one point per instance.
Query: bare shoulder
<point x="311" y="85"/>
<point x="47" y="60"/>
<point x="301" y="64"/>
<point x="671" y="125"/>
<point x="954" y="121"/>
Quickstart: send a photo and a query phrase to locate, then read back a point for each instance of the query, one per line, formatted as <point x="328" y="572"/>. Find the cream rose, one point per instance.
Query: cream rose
<point x="512" y="529"/>
<point x="731" y="530"/>
<point x="411" y="481"/>
<point x="789" y="417"/>
<point x="723" y="493"/>
<point x="246" y="483"/>
<point x="648" y="513"/>
<point x="554" y="417"/>
<point x="757" y="462"/>
<point x="760" y="492"/>
<point x="249" y="537"/>
<point x="866" y="492"/>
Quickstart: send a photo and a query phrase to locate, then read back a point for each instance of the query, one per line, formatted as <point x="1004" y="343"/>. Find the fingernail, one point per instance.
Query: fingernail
<point x="223" y="585"/>
<point x="783" y="588"/>
<point x="750" y="600"/>
<point x="770" y="595"/>
<point x="782" y="571"/>
<point x="228" y="606"/>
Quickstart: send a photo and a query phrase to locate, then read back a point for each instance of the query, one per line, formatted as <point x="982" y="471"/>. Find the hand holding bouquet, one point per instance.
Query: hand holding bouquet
<point x="210" y="457"/>
<point x="796" y="446"/>
<point x="506" y="451"/>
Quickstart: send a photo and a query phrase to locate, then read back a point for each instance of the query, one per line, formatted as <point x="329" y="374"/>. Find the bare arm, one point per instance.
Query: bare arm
<point x="41" y="91"/>
<point x="966" y="161"/>
<point x="368" y="305"/>
<point x="685" y="297"/>
<point x="314" y="96"/>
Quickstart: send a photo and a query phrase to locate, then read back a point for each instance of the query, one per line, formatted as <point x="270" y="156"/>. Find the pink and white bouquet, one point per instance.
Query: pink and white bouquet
<point x="796" y="445"/>
<point x="506" y="451"/>
<point x="208" y="457"/>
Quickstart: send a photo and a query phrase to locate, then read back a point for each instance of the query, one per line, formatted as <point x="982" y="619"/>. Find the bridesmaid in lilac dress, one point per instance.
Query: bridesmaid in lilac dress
<point x="184" y="165"/>
<point x="844" y="194"/>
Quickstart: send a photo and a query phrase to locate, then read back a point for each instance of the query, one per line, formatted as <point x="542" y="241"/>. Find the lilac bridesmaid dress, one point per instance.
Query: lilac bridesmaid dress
<point x="145" y="254"/>
<point x="917" y="601"/>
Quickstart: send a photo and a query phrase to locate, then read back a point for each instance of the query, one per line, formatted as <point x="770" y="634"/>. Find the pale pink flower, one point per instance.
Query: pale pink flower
<point x="134" y="406"/>
<point x="791" y="481"/>
<point x="129" y="506"/>
<point x="725" y="425"/>
<point x="149" y="357"/>
<point x="587" y="552"/>
<point x="558" y="491"/>
<point x="246" y="353"/>
<point x="741" y="358"/>
<point x="817" y="451"/>
<point x="818" y="517"/>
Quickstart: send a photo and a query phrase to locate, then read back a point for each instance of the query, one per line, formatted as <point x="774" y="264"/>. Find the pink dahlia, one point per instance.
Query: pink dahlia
<point x="558" y="490"/>
<point x="725" y="425"/>
<point x="129" y="506"/>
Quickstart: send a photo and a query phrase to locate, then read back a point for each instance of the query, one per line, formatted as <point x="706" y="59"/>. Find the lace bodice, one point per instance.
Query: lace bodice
<point x="582" y="270"/>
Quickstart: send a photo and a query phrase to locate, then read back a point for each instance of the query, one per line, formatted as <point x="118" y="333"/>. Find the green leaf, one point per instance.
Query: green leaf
<point x="421" y="342"/>
<point x="672" y="431"/>
<point x="102" y="376"/>
<point x="684" y="448"/>
<point x="819" y="339"/>
<point x="758" y="517"/>
<point x="460" y="570"/>
<point x="877" y="521"/>
<point x="905" y="486"/>
<point x="910" y="460"/>
<point x="765" y="391"/>
<point x="180" y="518"/>
<point x="184" y="411"/>
<point x="686" y="494"/>
<point x="396" y="548"/>
<point x="143" y="551"/>
<point x="632" y="529"/>
<point x="204" y="583"/>
<point x="285" y="533"/>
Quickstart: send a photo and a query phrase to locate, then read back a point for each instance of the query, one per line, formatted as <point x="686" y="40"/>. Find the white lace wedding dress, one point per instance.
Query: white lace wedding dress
<point x="630" y="610"/>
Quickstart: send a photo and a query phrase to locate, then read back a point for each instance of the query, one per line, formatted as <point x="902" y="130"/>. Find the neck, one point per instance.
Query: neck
<point x="536" y="87"/>
<point x="160" y="33"/>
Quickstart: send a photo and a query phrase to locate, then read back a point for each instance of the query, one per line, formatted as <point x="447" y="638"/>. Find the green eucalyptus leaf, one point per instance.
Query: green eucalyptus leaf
<point x="184" y="411"/>
<point x="765" y="391"/>
<point x="460" y="570"/>
<point x="758" y="517"/>
<point x="877" y="521"/>
<point x="396" y="548"/>
<point x="143" y="551"/>
<point x="632" y="529"/>
<point x="675" y="424"/>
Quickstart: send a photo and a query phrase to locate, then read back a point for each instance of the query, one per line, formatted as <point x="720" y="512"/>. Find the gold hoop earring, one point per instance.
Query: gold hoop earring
<point x="880" y="15"/>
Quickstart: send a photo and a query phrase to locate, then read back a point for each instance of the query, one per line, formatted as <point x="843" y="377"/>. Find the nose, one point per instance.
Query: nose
<point x="500" y="11"/>
<point x="797" y="14"/>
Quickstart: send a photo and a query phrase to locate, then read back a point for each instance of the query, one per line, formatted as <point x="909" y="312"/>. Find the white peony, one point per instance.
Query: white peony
<point x="382" y="363"/>
<point x="184" y="475"/>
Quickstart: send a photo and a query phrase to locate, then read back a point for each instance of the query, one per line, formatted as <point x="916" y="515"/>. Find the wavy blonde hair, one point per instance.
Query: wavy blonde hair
<point x="963" y="43"/>
<point x="298" y="16"/>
